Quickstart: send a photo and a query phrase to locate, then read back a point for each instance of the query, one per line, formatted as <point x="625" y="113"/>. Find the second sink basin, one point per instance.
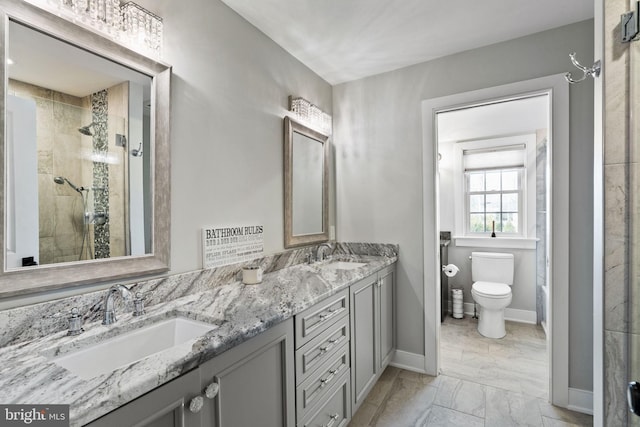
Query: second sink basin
<point x="344" y="265"/>
<point x="113" y="353"/>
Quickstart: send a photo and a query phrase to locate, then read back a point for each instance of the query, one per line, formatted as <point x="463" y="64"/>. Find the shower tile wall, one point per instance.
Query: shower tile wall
<point x="109" y="109"/>
<point x="118" y="101"/>
<point x="58" y="142"/>
<point x="618" y="213"/>
<point x="63" y="151"/>
<point x="99" y="117"/>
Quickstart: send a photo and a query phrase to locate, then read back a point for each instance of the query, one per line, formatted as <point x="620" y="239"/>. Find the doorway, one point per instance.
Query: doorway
<point x="493" y="197"/>
<point x="555" y="89"/>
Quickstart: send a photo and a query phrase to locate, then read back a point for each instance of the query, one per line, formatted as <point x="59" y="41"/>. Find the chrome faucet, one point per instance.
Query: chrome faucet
<point x="320" y="253"/>
<point x="108" y="311"/>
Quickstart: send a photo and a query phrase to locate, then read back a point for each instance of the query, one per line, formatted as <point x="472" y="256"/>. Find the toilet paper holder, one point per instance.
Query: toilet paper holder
<point x="450" y="270"/>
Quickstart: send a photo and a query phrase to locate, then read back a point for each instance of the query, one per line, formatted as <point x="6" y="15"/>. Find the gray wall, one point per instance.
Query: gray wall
<point x="230" y="88"/>
<point x="230" y="93"/>
<point x="378" y="142"/>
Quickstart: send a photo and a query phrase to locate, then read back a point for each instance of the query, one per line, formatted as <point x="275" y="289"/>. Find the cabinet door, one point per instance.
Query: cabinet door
<point x="387" y="317"/>
<point x="166" y="406"/>
<point x="364" y="338"/>
<point x="255" y="382"/>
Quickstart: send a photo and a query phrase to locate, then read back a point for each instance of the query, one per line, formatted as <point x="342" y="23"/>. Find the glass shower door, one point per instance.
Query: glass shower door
<point x="633" y="233"/>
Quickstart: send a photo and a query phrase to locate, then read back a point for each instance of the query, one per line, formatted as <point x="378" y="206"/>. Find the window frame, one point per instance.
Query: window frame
<point x="528" y="222"/>
<point x="520" y="191"/>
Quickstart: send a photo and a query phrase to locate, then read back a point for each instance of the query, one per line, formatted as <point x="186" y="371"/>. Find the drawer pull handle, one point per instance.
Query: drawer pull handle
<point x="324" y="349"/>
<point x="196" y="404"/>
<point x="325" y="381"/>
<point x="212" y="390"/>
<point x="333" y="340"/>
<point x="322" y="316"/>
<point x="333" y="419"/>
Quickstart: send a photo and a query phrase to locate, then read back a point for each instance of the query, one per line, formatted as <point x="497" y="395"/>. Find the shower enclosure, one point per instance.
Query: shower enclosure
<point x="633" y="227"/>
<point x="82" y="172"/>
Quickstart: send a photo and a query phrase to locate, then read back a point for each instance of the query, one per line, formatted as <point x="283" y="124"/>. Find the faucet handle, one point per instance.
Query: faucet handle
<point x="75" y="323"/>
<point x="138" y="304"/>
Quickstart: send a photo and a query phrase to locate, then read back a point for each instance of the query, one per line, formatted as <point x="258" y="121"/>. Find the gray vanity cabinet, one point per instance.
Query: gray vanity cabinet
<point x="166" y="406"/>
<point x="387" y="306"/>
<point x="372" y="331"/>
<point x="252" y="384"/>
<point x="318" y="376"/>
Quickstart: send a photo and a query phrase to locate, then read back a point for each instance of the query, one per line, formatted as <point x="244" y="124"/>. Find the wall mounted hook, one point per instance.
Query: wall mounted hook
<point x="593" y="71"/>
<point x="137" y="152"/>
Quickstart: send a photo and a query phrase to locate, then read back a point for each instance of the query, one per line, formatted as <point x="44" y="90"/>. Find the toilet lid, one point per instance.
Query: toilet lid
<point x="492" y="289"/>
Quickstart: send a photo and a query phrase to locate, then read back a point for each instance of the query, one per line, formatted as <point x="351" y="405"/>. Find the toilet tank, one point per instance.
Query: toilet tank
<point x="492" y="267"/>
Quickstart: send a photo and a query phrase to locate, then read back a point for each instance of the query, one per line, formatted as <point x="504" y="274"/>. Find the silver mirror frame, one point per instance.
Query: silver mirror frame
<point x="290" y="240"/>
<point x="60" y="276"/>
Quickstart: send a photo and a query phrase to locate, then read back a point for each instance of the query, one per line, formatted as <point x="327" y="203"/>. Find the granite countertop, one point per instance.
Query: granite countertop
<point x="28" y="376"/>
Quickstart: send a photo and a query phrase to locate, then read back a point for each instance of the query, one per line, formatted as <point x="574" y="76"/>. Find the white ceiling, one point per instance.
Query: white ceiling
<point x="519" y="116"/>
<point x="50" y="63"/>
<point x="343" y="40"/>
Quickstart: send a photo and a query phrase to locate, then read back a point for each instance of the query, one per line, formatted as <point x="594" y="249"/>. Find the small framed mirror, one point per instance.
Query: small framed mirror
<point x="306" y="198"/>
<point x="85" y="156"/>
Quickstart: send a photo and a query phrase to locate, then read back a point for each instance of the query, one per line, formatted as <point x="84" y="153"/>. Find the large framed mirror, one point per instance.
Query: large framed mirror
<point x="85" y="156"/>
<point x="306" y="185"/>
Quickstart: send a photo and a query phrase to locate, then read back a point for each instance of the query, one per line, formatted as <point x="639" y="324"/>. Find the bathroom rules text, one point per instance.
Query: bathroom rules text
<point x="229" y="245"/>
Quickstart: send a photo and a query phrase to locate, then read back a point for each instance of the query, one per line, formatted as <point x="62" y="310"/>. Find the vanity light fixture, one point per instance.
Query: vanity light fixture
<point x="142" y="28"/>
<point x="310" y="114"/>
<point x="129" y="24"/>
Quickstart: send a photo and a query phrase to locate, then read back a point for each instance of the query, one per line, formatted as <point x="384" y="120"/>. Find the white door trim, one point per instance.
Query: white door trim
<point x="558" y="309"/>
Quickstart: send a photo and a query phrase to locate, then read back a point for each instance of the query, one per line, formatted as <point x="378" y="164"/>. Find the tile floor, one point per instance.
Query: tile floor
<point x="484" y="382"/>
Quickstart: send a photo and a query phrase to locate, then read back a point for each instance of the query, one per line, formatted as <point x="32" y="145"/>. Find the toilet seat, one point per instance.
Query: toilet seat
<point x="491" y="289"/>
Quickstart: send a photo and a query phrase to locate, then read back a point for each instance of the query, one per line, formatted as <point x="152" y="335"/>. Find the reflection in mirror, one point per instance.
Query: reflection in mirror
<point x="85" y="158"/>
<point x="78" y="129"/>
<point x="306" y="188"/>
<point x="306" y="185"/>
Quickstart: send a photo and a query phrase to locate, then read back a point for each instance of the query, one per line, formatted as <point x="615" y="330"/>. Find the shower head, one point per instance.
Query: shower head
<point x="60" y="180"/>
<point x="86" y="130"/>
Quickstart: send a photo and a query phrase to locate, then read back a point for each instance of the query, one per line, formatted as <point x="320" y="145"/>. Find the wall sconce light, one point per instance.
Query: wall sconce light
<point x="129" y="24"/>
<point x="142" y="28"/>
<point x="310" y="114"/>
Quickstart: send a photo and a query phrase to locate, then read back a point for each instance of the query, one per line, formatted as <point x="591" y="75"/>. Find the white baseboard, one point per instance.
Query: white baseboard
<point x="512" y="314"/>
<point x="580" y="401"/>
<point x="522" y="316"/>
<point x="409" y="361"/>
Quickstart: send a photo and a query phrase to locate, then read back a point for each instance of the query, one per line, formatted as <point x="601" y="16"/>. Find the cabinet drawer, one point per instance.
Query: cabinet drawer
<point x="314" y="388"/>
<point x="321" y="348"/>
<point x="335" y="410"/>
<point x="315" y="319"/>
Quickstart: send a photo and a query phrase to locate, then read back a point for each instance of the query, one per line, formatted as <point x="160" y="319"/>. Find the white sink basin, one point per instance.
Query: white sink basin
<point x="343" y="265"/>
<point x="111" y="354"/>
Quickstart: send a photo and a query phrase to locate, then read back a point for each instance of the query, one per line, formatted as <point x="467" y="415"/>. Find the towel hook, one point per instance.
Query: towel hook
<point x="593" y="71"/>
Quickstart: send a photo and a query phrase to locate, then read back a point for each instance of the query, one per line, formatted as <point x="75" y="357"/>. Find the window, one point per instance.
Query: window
<point x="494" y="201"/>
<point x="494" y="182"/>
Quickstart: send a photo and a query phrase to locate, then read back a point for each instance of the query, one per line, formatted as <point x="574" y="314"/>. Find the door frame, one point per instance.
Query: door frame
<point x="558" y="308"/>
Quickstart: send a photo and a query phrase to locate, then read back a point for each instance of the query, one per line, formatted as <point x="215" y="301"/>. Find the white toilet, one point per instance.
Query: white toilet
<point x="492" y="275"/>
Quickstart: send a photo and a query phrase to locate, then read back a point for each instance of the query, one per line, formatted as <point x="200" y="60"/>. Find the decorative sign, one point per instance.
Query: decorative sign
<point x="229" y="245"/>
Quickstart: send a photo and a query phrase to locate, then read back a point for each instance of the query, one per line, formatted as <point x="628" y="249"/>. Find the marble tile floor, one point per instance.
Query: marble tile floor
<point x="484" y="382"/>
